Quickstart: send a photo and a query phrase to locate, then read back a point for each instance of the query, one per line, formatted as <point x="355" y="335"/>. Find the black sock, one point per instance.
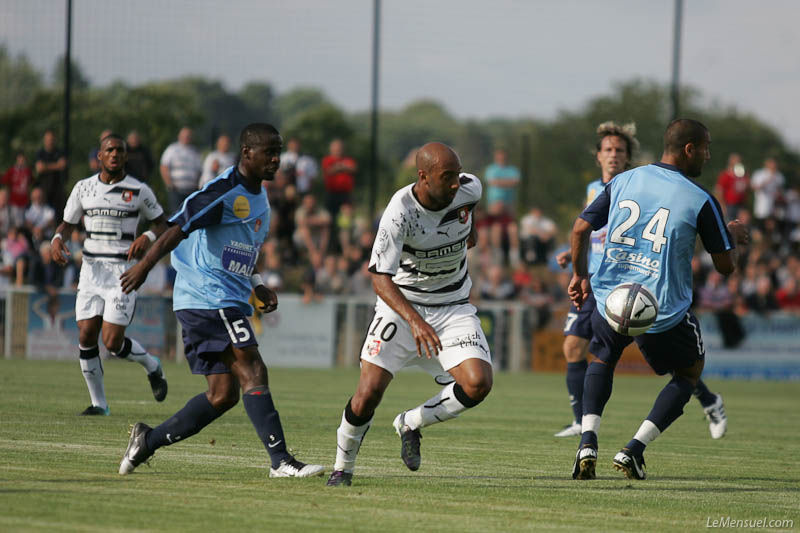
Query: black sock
<point x="635" y="447"/>
<point x="576" y="373"/>
<point x="597" y="388"/>
<point x="195" y="415"/>
<point x="703" y="395"/>
<point x="670" y="402"/>
<point x="262" y="413"/>
<point x="588" y="438"/>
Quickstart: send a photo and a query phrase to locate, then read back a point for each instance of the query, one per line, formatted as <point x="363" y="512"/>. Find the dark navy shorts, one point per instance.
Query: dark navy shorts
<point x="579" y="323"/>
<point x="679" y="347"/>
<point x="208" y="332"/>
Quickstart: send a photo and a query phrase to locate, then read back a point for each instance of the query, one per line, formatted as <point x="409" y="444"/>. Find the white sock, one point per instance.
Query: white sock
<point x="442" y="406"/>
<point x="139" y="355"/>
<point x="647" y="433"/>
<point x="590" y="423"/>
<point x="348" y="442"/>
<point x="92" y="370"/>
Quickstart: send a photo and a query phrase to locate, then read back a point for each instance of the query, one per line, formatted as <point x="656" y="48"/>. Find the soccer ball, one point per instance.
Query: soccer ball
<point x="631" y="309"/>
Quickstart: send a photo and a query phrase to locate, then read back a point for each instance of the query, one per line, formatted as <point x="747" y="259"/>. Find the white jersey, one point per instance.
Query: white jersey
<point x="110" y="214"/>
<point x="426" y="251"/>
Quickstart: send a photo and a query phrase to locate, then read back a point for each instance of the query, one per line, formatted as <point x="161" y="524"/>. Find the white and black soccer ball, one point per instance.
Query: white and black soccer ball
<point x="631" y="309"/>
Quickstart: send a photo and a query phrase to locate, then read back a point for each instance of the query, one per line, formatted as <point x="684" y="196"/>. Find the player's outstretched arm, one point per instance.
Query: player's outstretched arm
<point x="423" y="333"/>
<point x="133" y="278"/>
<point x="58" y="250"/>
<point x="578" y="289"/>
<point x="725" y="262"/>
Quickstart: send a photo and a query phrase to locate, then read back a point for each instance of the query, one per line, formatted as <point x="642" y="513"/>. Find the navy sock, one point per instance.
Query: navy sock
<point x="588" y="438"/>
<point x="195" y="415"/>
<point x="703" y="395"/>
<point x="262" y="413"/>
<point x="635" y="447"/>
<point x="576" y="373"/>
<point x="597" y="388"/>
<point x="670" y="402"/>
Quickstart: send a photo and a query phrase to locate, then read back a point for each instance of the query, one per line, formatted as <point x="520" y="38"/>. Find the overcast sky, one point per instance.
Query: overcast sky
<point x="478" y="57"/>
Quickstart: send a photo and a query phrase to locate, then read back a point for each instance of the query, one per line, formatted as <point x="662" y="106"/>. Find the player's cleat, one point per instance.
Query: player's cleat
<point x="585" y="461"/>
<point x="137" y="452"/>
<point x="570" y="430"/>
<point x="340" y="478"/>
<point x="158" y="382"/>
<point x="293" y="468"/>
<point x="94" y="410"/>
<point x="409" y="442"/>
<point x="717" y="419"/>
<point x="632" y="466"/>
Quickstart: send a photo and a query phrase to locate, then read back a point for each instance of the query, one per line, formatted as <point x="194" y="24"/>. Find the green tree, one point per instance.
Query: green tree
<point x="19" y="81"/>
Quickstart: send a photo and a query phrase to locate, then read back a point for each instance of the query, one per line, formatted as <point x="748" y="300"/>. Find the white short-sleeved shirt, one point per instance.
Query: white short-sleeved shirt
<point x="184" y="165"/>
<point x="111" y="213"/>
<point x="426" y="251"/>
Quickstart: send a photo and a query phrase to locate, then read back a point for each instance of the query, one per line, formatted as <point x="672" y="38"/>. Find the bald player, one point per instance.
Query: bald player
<point x="422" y="316"/>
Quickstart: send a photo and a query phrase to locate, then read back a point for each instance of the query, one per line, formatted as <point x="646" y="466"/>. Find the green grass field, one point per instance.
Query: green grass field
<point x="496" y="468"/>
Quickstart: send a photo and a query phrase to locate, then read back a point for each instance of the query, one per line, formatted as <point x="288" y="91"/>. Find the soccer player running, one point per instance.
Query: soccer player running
<point x="614" y="151"/>
<point x="422" y="315"/>
<point x="110" y="204"/>
<point x="654" y="214"/>
<point x="216" y="236"/>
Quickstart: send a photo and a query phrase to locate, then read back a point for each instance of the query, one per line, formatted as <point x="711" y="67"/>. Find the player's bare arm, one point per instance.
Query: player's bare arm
<point x="579" y="287"/>
<point x="725" y="262"/>
<point x="424" y="335"/>
<point x="58" y="250"/>
<point x="268" y="298"/>
<point x="138" y="247"/>
<point x="472" y="238"/>
<point x="133" y="278"/>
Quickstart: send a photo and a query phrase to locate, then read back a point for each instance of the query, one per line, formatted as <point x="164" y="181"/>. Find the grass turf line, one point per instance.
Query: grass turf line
<point x="495" y="468"/>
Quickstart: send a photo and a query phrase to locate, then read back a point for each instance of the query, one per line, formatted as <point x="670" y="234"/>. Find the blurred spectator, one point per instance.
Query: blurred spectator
<point x="339" y="173"/>
<point x="496" y="286"/>
<point x="762" y="300"/>
<point x="502" y="181"/>
<point x="732" y="186"/>
<point x="301" y="170"/>
<point x="94" y="163"/>
<point x="271" y="271"/>
<point x="14" y="251"/>
<point x="313" y="230"/>
<point x="50" y="166"/>
<point x="788" y="296"/>
<point x="218" y="160"/>
<point x="537" y="235"/>
<point x="502" y="229"/>
<point x="19" y="180"/>
<point x="360" y="283"/>
<point x="715" y="296"/>
<point x="284" y="202"/>
<point x="6" y="220"/>
<point x="180" y="169"/>
<point x="39" y="217"/>
<point x="140" y="163"/>
<point x="331" y="278"/>
<point x="767" y="187"/>
<point x="45" y="273"/>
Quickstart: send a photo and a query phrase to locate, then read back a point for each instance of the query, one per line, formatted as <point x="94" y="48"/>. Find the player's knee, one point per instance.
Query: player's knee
<point x="366" y="400"/>
<point x="114" y="343"/>
<point x="574" y="351"/>
<point x="477" y="385"/>
<point x="223" y="399"/>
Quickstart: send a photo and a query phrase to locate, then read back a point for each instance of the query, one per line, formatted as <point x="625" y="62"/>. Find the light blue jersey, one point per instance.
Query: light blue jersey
<point x="654" y="214"/>
<point x="597" y="240"/>
<point x="227" y="221"/>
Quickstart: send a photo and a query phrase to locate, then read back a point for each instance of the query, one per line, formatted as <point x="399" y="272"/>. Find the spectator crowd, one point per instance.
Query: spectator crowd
<point x="320" y="244"/>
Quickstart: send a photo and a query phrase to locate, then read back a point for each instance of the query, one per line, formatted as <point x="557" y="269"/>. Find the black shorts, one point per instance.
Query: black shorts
<point x="579" y="322"/>
<point x="209" y="332"/>
<point x="679" y="347"/>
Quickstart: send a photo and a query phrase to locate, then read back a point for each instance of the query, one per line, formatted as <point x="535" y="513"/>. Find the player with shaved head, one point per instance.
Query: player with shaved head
<point x="422" y="316"/>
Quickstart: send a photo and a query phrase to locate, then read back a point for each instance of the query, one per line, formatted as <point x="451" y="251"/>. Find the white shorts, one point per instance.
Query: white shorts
<point x="390" y="345"/>
<point x="100" y="292"/>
